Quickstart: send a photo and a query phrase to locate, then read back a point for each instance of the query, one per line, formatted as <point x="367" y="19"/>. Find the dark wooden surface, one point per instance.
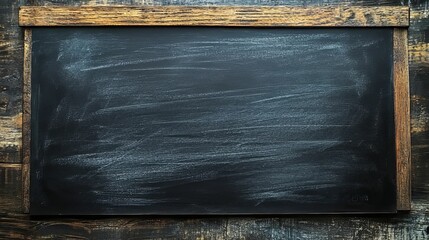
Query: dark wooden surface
<point x="15" y="225"/>
<point x="177" y="117"/>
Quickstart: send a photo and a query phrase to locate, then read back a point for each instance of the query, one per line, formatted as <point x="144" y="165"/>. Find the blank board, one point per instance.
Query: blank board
<point x="212" y="120"/>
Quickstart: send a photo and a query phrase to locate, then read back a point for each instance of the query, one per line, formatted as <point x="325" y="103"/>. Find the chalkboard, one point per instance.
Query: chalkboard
<point x="211" y="120"/>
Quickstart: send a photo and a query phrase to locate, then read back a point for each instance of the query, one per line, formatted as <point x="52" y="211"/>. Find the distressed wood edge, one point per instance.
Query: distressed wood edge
<point x="26" y="120"/>
<point x="402" y="118"/>
<point x="226" y="16"/>
<point x="11" y="165"/>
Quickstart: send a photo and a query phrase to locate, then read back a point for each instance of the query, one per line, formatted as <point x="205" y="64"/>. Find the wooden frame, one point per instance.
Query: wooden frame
<point x="227" y="16"/>
<point x="26" y="121"/>
<point x="216" y="16"/>
<point x="402" y="119"/>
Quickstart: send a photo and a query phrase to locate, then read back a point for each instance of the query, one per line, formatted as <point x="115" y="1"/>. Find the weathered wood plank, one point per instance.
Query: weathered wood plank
<point x="217" y="2"/>
<point x="26" y="120"/>
<point x="10" y="49"/>
<point x="419" y="52"/>
<point x="10" y="138"/>
<point x="419" y="89"/>
<point x="10" y="189"/>
<point x="215" y="16"/>
<point x="10" y="84"/>
<point x="402" y="118"/>
<point x="413" y="226"/>
<point x="418" y="42"/>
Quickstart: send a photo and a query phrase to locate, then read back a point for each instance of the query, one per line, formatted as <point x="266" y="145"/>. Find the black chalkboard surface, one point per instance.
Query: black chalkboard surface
<point x="187" y="120"/>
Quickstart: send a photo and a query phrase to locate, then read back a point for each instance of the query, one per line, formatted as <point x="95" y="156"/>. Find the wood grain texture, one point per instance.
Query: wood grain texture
<point x="10" y="138"/>
<point x="10" y="189"/>
<point x="216" y="16"/>
<point x="419" y="90"/>
<point x="26" y="120"/>
<point x="402" y="118"/>
<point x="412" y="226"/>
<point x="10" y="83"/>
<point x="10" y="49"/>
<point x="214" y="3"/>
<point x="404" y="226"/>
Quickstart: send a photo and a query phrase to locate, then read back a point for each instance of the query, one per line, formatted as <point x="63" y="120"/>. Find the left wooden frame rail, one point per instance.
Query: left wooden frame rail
<point x="26" y="120"/>
<point x="396" y="17"/>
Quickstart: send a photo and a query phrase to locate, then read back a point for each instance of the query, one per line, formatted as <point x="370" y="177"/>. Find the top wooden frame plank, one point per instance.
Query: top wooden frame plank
<point x="230" y="16"/>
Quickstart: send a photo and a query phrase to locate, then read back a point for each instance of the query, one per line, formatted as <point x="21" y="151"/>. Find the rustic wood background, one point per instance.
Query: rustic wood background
<point x="15" y="225"/>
